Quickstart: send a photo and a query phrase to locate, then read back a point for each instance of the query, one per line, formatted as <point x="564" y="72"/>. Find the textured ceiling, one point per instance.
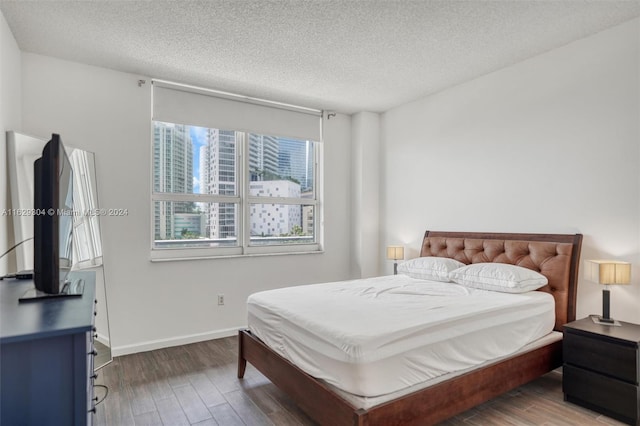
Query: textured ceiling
<point x="343" y="55"/>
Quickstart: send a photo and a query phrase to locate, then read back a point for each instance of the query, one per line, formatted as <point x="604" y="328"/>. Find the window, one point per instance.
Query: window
<point x="87" y="244"/>
<point x="222" y="191"/>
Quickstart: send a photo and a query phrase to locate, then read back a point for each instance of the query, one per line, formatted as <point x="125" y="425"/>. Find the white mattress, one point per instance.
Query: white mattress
<point x="366" y="402"/>
<point x="376" y="336"/>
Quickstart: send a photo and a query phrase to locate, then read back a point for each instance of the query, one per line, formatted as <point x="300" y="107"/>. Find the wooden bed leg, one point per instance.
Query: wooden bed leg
<point x="242" y="363"/>
<point x="360" y="417"/>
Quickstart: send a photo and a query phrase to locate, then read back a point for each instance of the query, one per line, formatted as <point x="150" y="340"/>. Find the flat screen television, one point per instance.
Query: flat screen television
<point x="53" y="223"/>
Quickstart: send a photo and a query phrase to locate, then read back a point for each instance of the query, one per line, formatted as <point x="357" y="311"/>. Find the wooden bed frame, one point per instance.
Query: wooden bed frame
<point x="554" y="255"/>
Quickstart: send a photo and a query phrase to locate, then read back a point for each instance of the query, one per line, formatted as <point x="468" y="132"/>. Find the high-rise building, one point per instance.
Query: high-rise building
<point x="295" y="161"/>
<point x="218" y="177"/>
<point x="263" y="157"/>
<point x="173" y="172"/>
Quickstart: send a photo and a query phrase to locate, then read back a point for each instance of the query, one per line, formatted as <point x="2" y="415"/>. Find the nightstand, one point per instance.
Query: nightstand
<point x="601" y="369"/>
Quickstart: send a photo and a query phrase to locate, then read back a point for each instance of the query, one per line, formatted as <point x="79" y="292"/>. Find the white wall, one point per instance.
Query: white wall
<point x="549" y="145"/>
<point x="159" y="304"/>
<point x="365" y="204"/>
<point x="10" y="119"/>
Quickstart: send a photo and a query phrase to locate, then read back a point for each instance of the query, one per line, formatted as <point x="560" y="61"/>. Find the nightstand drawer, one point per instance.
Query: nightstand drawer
<point x="600" y="393"/>
<point x="616" y="360"/>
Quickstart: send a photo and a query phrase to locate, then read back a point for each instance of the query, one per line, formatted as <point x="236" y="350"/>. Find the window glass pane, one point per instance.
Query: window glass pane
<point x="195" y="224"/>
<point x="194" y="160"/>
<point x="273" y="224"/>
<point x="284" y="166"/>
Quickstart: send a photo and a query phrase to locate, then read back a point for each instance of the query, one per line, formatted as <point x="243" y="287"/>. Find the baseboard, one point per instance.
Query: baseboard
<point x="103" y="339"/>
<point x="174" y="341"/>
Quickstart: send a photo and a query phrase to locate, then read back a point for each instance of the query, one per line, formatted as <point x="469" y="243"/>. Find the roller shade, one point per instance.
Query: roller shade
<point x="199" y="107"/>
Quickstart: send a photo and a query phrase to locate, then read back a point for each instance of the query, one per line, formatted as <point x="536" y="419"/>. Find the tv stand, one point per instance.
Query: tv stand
<point x="46" y="348"/>
<point x="73" y="287"/>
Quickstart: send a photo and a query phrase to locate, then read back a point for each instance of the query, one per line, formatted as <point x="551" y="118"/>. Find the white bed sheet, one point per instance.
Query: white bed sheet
<point x="365" y="402"/>
<point x="376" y="336"/>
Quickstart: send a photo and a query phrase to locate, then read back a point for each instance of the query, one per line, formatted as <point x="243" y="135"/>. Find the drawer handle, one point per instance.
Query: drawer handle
<point x="93" y="352"/>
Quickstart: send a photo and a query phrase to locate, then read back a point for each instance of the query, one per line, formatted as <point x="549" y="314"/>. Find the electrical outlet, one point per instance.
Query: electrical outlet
<point x="221" y="299"/>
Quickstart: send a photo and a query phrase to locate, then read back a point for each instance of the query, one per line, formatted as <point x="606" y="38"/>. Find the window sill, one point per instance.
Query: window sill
<point x="230" y="256"/>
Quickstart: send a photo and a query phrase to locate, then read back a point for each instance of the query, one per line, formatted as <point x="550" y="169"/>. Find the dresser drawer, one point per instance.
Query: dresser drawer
<point x="609" y="396"/>
<point x="612" y="359"/>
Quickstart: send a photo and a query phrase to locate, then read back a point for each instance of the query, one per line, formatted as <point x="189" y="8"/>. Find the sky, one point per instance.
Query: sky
<point x="198" y="138"/>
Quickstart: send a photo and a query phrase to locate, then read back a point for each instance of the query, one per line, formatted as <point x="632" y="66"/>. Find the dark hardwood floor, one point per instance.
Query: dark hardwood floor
<point x="196" y="385"/>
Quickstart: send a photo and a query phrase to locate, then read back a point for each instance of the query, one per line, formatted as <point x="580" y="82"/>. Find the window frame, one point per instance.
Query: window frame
<point x="86" y="223"/>
<point x="243" y="200"/>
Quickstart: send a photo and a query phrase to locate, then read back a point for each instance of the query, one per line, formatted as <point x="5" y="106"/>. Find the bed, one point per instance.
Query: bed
<point x="555" y="256"/>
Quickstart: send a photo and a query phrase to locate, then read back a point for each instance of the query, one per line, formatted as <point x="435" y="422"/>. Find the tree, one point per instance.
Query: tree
<point x="297" y="230"/>
<point x="185" y="234"/>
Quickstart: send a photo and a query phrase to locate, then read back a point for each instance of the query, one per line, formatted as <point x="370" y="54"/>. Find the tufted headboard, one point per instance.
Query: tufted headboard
<point x="555" y="256"/>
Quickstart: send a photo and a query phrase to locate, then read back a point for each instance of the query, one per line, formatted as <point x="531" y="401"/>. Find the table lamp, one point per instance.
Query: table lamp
<point x="607" y="272"/>
<point x="394" y="253"/>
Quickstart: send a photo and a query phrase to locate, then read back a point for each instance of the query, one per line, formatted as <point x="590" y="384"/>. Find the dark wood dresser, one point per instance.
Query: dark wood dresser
<point x="601" y="369"/>
<point x="46" y="352"/>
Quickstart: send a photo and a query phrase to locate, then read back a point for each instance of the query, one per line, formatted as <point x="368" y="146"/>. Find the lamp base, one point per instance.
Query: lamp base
<point x="605" y="321"/>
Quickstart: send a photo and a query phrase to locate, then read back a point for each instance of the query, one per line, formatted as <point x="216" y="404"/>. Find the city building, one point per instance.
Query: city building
<point x="273" y="220"/>
<point x="188" y="225"/>
<point x="218" y="177"/>
<point x="173" y="172"/>
<point x="278" y="167"/>
<point x="295" y="160"/>
<point x="263" y="157"/>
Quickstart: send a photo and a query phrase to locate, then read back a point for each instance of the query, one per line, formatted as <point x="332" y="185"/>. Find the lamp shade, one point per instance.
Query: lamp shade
<point x="395" y="252"/>
<point x="608" y="271"/>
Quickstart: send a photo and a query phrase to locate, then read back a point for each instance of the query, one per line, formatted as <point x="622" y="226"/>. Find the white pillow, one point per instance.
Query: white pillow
<point x="429" y="268"/>
<point x="498" y="277"/>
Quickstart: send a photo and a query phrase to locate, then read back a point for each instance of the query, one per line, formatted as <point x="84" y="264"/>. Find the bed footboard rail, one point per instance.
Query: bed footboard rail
<point x="312" y="396"/>
<point x="451" y="397"/>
